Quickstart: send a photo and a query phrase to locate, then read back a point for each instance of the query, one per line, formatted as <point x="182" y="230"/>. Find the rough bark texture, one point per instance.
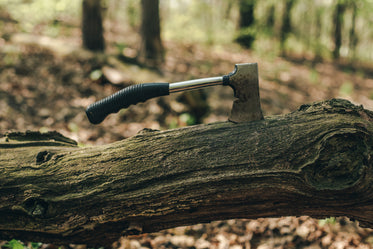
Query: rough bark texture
<point x="315" y="161"/>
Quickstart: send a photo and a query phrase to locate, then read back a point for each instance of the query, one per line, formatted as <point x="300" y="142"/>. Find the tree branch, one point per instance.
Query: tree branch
<point x="315" y="161"/>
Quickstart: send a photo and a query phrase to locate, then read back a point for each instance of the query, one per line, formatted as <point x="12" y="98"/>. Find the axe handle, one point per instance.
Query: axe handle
<point x="131" y="95"/>
<point x="134" y="94"/>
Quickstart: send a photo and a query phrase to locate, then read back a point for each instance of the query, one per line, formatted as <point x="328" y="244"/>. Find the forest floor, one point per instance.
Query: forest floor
<point x="47" y="83"/>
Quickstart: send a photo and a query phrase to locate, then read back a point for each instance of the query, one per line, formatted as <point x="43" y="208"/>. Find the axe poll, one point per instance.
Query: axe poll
<point x="243" y="80"/>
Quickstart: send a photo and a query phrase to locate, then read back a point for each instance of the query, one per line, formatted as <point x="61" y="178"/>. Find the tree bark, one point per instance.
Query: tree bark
<point x="315" y="161"/>
<point x="92" y="25"/>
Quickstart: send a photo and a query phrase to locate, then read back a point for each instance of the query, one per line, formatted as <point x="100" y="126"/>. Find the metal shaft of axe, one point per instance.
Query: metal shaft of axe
<point x="195" y="84"/>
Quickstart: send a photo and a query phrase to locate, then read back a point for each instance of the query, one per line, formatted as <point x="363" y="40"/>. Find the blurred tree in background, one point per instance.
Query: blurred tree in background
<point x="247" y="31"/>
<point x="151" y="49"/>
<point x="318" y="29"/>
<point x="338" y="23"/>
<point x="247" y="18"/>
<point x="286" y="26"/>
<point x="352" y="34"/>
<point x="92" y="25"/>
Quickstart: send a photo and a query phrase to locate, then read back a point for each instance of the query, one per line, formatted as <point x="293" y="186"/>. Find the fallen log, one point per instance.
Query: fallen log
<point x="316" y="161"/>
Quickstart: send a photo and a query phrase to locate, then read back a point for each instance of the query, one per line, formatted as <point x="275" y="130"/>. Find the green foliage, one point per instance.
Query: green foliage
<point x="346" y="89"/>
<point x="14" y="244"/>
<point x="35" y="245"/>
<point x="215" y="22"/>
<point x="44" y="129"/>
<point x="265" y="47"/>
<point x="314" y="77"/>
<point x="73" y="127"/>
<point x="31" y="13"/>
<point x="183" y="119"/>
<point x="330" y="221"/>
<point x="173" y="124"/>
<point x="53" y="29"/>
<point x="95" y="74"/>
<point x="120" y="46"/>
<point x="187" y="118"/>
<point x="133" y="12"/>
<point x="191" y="21"/>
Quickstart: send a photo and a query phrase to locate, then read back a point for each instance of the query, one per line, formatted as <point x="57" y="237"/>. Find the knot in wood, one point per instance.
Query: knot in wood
<point x="43" y="156"/>
<point x="36" y="207"/>
<point x="340" y="163"/>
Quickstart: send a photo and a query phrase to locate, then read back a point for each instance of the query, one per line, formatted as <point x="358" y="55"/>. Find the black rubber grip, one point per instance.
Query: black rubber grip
<point x="131" y="95"/>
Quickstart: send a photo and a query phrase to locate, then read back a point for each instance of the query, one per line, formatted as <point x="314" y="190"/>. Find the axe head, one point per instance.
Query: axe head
<point x="245" y="83"/>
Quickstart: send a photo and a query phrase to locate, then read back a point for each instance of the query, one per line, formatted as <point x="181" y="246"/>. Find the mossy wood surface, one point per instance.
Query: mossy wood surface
<point x="315" y="161"/>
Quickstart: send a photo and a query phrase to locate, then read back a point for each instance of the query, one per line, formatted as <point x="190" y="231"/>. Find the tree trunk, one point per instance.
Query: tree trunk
<point x="318" y="29"/>
<point x="286" y="24"/>
<point x="353" y="35"/>
<point x="315" y="161"/>
<point x="246" y="35"/>
<point x="338" y="23"/>
<point x="247" y="18"/>
<point x="92" y="27"/>
<point x="270" y="17"/>
<point x="151" y="50"/>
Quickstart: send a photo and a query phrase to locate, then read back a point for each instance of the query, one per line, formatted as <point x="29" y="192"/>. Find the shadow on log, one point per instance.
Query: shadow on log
<point x="316" y="161"/>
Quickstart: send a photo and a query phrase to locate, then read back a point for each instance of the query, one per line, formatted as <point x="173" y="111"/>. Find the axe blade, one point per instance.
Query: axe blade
<point x="245" y="83"/>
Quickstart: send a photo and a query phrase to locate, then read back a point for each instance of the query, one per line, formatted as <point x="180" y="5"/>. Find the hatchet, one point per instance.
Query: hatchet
<point x="243" y="80"/>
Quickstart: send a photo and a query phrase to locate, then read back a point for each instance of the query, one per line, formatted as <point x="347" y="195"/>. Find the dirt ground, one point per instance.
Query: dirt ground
<point x="46" y="84"/>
